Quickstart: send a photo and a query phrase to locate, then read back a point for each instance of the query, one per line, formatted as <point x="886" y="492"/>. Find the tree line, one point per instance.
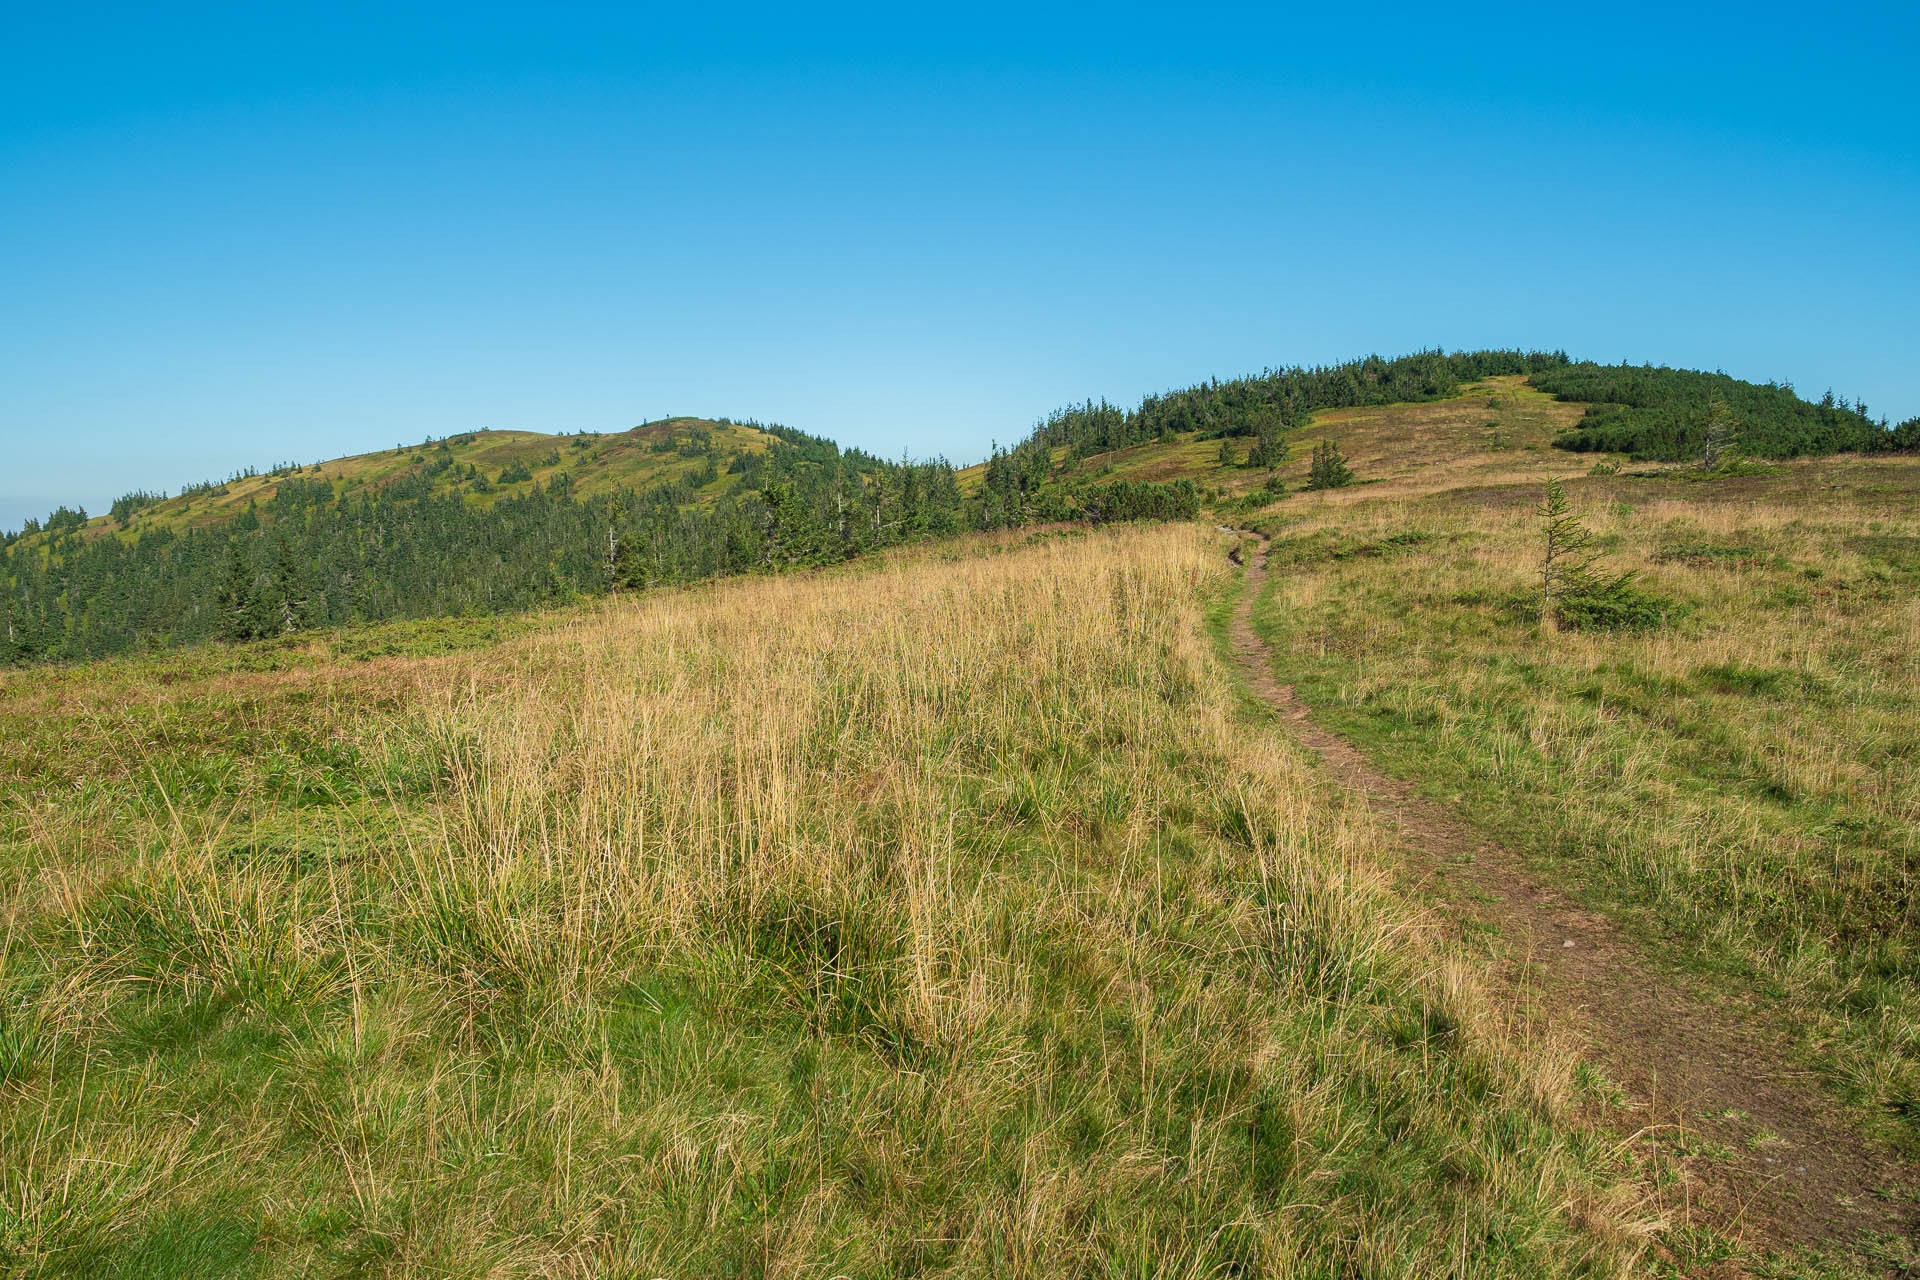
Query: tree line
<point x="314" y="555"/>
<point x="1278" y="399"/>
<point x="1661" y="414"/>
<point x="420" y="545"/>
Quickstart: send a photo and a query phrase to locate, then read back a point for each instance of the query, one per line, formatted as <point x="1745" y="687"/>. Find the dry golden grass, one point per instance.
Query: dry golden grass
<point x="947" y="916"/>
<point x="1492" y="436"/>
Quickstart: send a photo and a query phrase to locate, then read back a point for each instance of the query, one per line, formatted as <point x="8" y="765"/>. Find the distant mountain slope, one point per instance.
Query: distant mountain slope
<point x="498" y="521"/>
<point x="1644" y="411"/>
<point x="485" y="466"/>
<point x="483" y="523"/>
<point x="1483" y="431"/>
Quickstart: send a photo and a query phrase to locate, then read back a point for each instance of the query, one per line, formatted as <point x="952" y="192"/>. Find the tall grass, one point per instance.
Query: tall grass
<point x="944" y="917"/>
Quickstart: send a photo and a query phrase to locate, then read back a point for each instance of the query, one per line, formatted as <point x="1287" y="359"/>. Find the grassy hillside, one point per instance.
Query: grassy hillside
<point x="944" y="916"/>
<point x="1734" y="780"/>
<point x="1490" y="432"/>
<point x="1644" y="411"/>
<point x="952" y="911"/>
<point x="1743" y="780"/>
<point x="1493" y="431"/>
<point x="497" y="522"/>
<point x="656" y="453"/>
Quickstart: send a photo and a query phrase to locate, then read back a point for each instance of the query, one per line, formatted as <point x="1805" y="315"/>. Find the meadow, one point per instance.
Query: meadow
<point x="1741" y="784"/>
<point x="950" y="914"/>
<point x="963" y="909"/>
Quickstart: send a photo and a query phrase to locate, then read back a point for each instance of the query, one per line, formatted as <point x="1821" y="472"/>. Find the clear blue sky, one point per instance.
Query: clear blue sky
<point x="236" y="236"/>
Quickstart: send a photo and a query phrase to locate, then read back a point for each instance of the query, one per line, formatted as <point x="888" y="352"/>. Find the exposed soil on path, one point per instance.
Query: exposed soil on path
<point x="1810" y="1178"/>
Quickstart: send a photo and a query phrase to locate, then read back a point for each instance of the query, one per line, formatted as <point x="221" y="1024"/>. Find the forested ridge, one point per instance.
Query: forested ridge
<point x="320" y="553"/>
<point x="1261" y="406"/>
<point x="317" y="555"/>
<point x="441" y="537"/>
<point x="1659" y="413"/>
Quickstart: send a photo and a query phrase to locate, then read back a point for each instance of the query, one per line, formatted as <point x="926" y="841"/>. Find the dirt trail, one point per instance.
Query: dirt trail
<point x="1682" y="1059"/>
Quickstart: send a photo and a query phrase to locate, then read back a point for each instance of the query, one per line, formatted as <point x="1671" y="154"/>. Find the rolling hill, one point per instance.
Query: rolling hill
<point x="669" y="452"/>
<point x="494" y="522"/>
<point x="497" y="521"/>
<point x="1019" y="890"/>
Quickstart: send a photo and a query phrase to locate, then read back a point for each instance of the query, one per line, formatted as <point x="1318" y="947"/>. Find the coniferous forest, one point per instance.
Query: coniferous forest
<point x="1657" y="413"/>
<point x="436" y="540"/>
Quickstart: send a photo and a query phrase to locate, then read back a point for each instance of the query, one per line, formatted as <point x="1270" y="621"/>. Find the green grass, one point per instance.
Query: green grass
<point x="954" y="912"/>
<point x="946" y="916"/>
<point x="1743" y="784"/>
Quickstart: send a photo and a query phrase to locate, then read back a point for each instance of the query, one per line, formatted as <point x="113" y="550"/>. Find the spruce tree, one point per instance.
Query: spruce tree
<point x="1566" y="559"/>
<point x="291" y="602"/>
<point x="1329" y="467"/>
<point x="1269" y="452"/>
<point x="234" y="603"/>
<point x="1722" y="433"/>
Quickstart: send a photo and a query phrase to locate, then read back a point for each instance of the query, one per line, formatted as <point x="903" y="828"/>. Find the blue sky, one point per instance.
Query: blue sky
<point x="244" y="235"/>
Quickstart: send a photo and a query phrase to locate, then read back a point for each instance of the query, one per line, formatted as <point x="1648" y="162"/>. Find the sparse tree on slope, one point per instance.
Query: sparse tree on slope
<point x="1722" y="433"/>
<point x="1329" y="467"/>
<point x="1269" y="452"/>
<point x="1566" y="561"/>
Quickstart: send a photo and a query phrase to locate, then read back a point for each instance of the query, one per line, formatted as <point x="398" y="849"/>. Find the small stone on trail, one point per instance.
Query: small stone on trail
<point x="1567" y="943"/>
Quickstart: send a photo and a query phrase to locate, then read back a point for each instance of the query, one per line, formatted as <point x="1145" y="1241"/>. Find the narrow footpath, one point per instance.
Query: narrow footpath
<point x="1683" y="1059"/>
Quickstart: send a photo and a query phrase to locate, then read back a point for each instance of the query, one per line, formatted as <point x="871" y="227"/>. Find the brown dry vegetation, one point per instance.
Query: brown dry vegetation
<point x="946" y="916"/>
<point x="1492" y="433"/>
